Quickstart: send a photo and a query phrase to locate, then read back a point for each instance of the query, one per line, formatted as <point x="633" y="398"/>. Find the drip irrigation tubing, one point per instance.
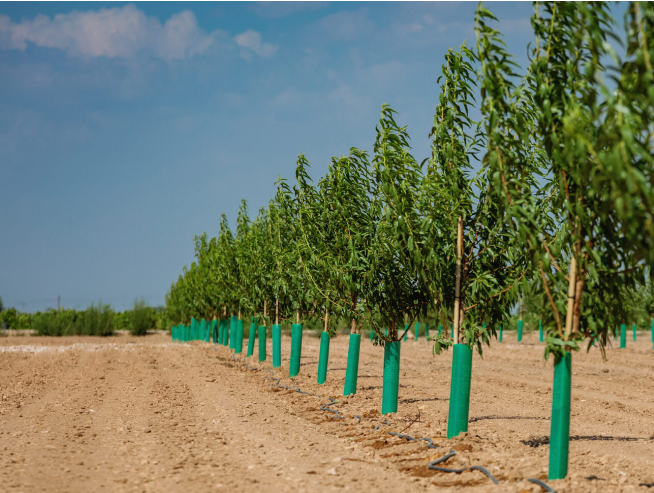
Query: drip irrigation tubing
<point x="430" y="443"/>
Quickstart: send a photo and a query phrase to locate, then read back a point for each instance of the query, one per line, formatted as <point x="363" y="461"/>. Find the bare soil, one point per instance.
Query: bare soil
<point x="147" y="414"/>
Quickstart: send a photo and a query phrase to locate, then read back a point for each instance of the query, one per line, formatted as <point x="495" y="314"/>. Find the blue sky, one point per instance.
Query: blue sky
<point x="126" y="128"/>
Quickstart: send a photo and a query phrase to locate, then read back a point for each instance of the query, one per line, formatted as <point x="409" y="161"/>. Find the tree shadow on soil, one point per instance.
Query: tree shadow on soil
<point x="538" y="441"/>
<point x="411" y="401"/>
<point x="374" y="387"/>
<point x="481" y="418"/>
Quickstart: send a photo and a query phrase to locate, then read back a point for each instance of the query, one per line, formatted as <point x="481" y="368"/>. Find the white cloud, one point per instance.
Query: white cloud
<point x="250" y="41"/>
<point x="347" y="25"/>
<point x="116" y="32"/>
<point x="275" y="10"/>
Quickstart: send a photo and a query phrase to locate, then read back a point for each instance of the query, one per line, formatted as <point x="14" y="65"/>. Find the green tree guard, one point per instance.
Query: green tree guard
<point x="615" y="335"/>
<point x="238" y="344"/>
<point x="440" y="329"/>
<point x="406" y="332"/>
<point x="203" y="329"/>
<point x="540" y="331"/>
<point x="417" y="331"/>
<point x="623" y="336"/>
<point x="457" y="421"/>
<point x="296" y="350"/>
<point x="251" y="334"/>
<point x="633" y="330"/>
<point x="391" y="384"/>
<point x="262" y="343"/>
<point x="651" y="329"/>
<point x="226" y="334"/>
<point x="214" y="331"/>
<point x="352" y="369"/>
<point x="500" y="333"/>
<point x="277" y="346"/>
<point x="519" y="330"/>
<point x="427" y="331"/>
<point x="232" y="332"/>
<point x="221" y="332"/>
<point x="323" y="359"/>
<point x="193" y="324"/>
<point x="560" y="425"/>
<point x="372" y="335"/>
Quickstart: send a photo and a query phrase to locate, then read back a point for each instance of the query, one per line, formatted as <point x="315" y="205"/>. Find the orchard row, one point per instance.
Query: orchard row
<point x="546" y="194"/>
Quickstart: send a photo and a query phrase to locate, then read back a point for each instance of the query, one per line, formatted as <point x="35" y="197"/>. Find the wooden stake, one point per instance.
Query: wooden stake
<point x="571" y="296"/>
<point x="457" y="292"/>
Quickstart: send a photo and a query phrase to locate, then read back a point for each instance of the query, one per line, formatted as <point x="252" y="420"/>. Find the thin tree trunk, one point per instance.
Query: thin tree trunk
<point x="354" y="327"/>
<point x="569" y="315"/>
<point x="579" y="287"/>
<point x="297" y="317"/>
<point x="265" y="309"/>
<point x="277" y="311"/>
<point x="325" y="329"/>
<point x="457" y="292"/>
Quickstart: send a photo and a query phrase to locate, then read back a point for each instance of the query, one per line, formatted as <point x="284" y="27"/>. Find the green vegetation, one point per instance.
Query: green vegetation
<point x="96" y="320"/>
<point x="141" y="318"/>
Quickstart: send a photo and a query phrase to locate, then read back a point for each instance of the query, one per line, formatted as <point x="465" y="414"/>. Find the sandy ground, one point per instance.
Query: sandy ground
<point x="147" y="414"/>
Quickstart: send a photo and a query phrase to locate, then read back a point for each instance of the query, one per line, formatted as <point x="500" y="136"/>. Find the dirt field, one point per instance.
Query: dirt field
<point x="146" y="414"/>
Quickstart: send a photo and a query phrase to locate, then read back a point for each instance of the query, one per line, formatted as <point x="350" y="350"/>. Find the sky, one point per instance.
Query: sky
<point x="127" y="128"/>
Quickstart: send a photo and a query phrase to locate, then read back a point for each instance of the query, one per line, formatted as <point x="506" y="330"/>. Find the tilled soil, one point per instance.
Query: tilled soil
<point x="147" y="414"/>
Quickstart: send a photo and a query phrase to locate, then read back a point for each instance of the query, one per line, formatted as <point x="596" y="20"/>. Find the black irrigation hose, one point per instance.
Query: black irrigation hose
<point x="452" y="453"/>
<point x="430" y="443"/>
<point x="402" y="436"/>
<point x="379" y="426"/>
<point x="542" y="485"/>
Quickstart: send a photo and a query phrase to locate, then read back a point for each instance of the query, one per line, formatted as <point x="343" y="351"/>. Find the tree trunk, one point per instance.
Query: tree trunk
<point x="326" y="328"/>
<point x="457" y="292"/>
<point x="277" y="311"/>
<point x="572" y="291"/>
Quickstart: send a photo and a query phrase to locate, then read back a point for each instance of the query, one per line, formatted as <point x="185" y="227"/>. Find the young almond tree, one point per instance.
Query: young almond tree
<point x="394" y="289"/>
<point x="245" y="254"/>
<point x="260" y="273"/>
<point x="588" y="225"/>
<point x="225" y="273"/>
<point x="465" y="250"/>
<point x="334" y="224"/>
<point x="293" y="301"/>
